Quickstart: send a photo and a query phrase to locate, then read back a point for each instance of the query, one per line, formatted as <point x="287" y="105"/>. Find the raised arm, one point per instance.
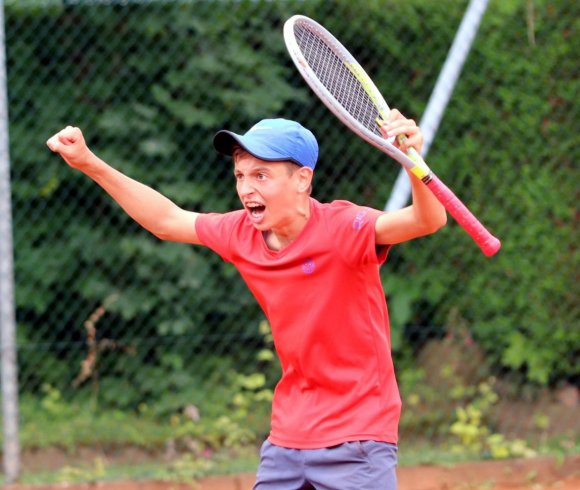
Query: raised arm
<point x="148" y="207"/>
<point x="426" y="214"/>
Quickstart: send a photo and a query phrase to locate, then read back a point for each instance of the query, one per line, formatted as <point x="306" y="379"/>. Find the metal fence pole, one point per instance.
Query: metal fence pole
<point x="7" y="316"/>
<point x="441" y="94"/>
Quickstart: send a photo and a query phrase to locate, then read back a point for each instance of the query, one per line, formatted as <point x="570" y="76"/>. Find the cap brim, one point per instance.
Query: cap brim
<point x="224" y="142"/>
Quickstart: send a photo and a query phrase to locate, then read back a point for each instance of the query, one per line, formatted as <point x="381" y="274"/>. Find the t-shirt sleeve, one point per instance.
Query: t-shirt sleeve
<point x="215" y="230"/>
<point x="353" y="229"/>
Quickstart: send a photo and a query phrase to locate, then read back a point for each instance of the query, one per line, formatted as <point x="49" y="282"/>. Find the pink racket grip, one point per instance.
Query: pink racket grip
<point x="487" y="242"/>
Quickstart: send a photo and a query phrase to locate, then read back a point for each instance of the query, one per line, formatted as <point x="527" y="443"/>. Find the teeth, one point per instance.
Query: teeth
<point x="254" y="208"/>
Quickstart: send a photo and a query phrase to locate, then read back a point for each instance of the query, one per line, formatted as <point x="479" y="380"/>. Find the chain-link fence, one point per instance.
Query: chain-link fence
<point x="128" y="342"/>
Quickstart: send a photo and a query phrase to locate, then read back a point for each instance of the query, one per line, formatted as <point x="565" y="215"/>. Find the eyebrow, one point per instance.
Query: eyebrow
<point x="254" y="170"/>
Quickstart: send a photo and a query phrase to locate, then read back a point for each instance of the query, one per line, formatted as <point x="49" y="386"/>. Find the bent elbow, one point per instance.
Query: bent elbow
<point x="442" y="220"/>
<point x="161" y="235"/>
<point x="439" y="222"/>
<point x="159" y="230"/>
<point x="164" y="231"/>
<point x="164" y="227"/>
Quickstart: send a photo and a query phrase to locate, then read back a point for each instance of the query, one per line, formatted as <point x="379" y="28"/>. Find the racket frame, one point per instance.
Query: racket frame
<point x="412" y="162"/>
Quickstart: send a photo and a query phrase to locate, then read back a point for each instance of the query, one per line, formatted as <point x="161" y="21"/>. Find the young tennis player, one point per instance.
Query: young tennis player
<point x="314" y="269"/>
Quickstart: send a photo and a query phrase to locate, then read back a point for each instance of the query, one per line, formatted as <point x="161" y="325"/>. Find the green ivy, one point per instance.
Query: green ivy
<point x="223" y="64"/>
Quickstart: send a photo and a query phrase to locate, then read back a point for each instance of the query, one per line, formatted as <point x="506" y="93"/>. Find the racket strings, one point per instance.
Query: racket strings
<point x="337" y="78"/>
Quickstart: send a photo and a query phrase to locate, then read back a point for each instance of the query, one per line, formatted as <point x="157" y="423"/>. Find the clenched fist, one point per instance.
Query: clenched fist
<point x="70" y="144"/>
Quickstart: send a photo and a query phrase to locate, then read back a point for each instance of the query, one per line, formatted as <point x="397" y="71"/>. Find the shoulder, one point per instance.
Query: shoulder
<point x="341" y="212"/>
<point x="335" y="208"/>
<point x="231" y="218"/>
<point x="218" y="231"/>
<point x="351" y="229"/>
<point x="219" y="223"/>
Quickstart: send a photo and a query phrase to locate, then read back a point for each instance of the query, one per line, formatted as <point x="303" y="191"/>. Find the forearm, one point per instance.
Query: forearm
<point x="145" y="205"/>
<point x="426" y="207"/>
<point x="426" y="214"/>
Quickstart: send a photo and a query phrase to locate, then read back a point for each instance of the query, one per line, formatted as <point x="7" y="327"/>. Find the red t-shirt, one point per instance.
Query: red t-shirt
<point x="323" y="297"/>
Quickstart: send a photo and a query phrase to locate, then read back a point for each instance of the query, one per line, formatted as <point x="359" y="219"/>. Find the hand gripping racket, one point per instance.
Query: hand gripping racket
<point x="346" y="89"/>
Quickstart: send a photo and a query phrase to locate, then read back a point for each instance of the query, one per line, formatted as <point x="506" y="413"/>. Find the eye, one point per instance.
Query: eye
<point x="261" y="176"/>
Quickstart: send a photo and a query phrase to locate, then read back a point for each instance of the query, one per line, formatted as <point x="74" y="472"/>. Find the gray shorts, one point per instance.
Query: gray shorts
<point x="359" y="465"/>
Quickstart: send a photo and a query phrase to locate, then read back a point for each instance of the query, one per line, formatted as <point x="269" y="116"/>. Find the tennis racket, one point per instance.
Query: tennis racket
<point x="346" y="89"/>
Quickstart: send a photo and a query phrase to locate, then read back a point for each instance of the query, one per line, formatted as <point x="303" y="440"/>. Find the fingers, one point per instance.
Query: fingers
<point x="70" y="144"/>
<point x="397" y="124"/>
<point x="393" y="115"/>
<point x="66" y="137"/>
<point x="415" y="141"/>
<point x="53" y="143"/>
<point x="405" y="131"/>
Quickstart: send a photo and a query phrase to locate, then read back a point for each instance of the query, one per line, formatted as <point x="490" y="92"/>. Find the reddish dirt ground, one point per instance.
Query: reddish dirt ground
<point x="533" y="474"/>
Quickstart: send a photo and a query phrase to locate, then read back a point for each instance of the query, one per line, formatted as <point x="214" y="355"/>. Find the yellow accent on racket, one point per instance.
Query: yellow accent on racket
<point x="369" y="88"/>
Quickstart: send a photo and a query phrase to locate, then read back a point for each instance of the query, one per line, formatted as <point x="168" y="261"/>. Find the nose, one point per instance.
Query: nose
<point x="244" y="187"/>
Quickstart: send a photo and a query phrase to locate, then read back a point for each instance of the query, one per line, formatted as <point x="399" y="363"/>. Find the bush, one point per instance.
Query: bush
<point x="148" y="99"/>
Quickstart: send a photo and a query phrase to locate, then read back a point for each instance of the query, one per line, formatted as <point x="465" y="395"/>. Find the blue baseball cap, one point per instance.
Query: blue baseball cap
<point x="273" y="140"/>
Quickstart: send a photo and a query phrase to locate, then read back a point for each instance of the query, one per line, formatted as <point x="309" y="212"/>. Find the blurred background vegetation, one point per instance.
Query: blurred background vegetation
<point x="127" y="341"/>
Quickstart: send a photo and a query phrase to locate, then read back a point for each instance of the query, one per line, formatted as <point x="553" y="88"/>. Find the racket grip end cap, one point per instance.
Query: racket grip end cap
<point x="491" y="246"/>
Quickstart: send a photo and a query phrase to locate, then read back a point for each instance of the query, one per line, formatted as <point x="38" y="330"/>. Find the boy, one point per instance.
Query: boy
<point x="314" y="270"/>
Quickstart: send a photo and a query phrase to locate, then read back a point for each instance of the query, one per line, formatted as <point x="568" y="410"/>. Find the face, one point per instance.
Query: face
<point x="269" y="191"/>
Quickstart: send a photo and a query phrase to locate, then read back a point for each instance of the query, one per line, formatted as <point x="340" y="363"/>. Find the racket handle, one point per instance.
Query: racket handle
<point x="487" y="242"/>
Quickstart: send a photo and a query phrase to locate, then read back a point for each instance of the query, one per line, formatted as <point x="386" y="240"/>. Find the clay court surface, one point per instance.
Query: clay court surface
<point x="533" y="474"/>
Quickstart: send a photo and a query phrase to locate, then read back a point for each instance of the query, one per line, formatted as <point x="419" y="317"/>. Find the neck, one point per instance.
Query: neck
<point x="284" y="234"/>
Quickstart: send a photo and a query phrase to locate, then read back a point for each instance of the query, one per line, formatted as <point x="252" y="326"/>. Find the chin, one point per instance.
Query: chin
<point x="261" y="226"/>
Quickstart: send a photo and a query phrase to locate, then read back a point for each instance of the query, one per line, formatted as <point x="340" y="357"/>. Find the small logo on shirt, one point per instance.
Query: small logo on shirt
<point x="359" y="220"/>
<point x="308" y="266"/>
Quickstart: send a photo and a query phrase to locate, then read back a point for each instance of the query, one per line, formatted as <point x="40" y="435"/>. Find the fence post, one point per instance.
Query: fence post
<point x="441" y="94"/>
<point x="9" y="377"/>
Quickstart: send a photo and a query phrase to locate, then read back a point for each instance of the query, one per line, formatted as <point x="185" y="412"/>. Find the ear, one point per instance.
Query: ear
<point x="304" y="179"/>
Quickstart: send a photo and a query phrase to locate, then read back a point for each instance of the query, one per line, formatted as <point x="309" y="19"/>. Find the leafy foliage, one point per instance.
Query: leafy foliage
<point x="150" y="85"/>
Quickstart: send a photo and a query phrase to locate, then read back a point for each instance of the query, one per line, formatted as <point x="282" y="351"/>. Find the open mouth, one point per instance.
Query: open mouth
<point x="256" y="210"/>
